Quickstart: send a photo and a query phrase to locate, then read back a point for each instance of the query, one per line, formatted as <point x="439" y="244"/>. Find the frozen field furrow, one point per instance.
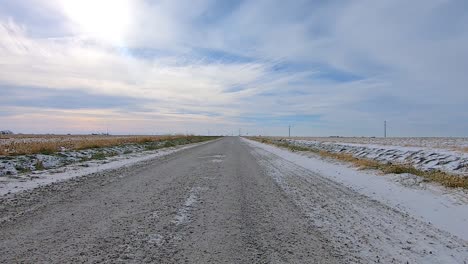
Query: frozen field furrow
<point x="424" y="158"/>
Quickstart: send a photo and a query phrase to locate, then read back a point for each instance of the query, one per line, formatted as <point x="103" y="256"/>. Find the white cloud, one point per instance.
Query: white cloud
<point x="411" y="52"/>
<point x="72" y="63"/>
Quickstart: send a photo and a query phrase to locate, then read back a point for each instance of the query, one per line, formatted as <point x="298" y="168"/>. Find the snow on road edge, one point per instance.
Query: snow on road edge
<point x="446" y="209"/>
<point x="75" y="170"/>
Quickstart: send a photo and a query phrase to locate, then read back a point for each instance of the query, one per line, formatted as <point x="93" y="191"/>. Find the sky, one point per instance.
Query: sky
<point x="326" y="68"/>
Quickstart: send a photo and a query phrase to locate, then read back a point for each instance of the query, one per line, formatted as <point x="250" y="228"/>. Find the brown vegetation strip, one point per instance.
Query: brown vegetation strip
<point x="48" y="144"/>
<point x="440" y="177"/>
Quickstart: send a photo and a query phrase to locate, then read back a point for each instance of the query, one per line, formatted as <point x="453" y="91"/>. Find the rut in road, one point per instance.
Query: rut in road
<point x="209" y="204"/>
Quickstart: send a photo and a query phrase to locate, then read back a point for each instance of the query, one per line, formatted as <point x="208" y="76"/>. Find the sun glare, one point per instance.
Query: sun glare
<point x="106" y="20"/>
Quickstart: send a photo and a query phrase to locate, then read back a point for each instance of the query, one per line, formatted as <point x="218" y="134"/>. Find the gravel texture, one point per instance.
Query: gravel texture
<point x="221" y="202"/>
<point x="209" y="204"/>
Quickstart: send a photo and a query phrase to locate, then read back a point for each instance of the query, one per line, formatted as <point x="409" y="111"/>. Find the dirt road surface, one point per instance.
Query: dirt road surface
<point x="220" y="202"/>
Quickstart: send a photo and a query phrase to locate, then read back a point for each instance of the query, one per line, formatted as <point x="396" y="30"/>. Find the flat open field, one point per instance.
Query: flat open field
<point x="449" y="143"/>
<point x="46" y="144"/>
<point x="428" y="154"/>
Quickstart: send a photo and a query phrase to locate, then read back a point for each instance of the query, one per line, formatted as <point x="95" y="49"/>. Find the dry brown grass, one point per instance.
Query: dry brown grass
<point x="48" y="144"/>
<point x="440" y="177"/>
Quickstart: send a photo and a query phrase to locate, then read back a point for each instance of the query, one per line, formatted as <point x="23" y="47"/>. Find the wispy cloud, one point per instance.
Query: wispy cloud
<point x="331" y="67"/>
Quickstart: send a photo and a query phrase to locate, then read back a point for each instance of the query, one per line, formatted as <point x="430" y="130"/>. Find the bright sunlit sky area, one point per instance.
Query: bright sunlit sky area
<point x="205" y="66"/>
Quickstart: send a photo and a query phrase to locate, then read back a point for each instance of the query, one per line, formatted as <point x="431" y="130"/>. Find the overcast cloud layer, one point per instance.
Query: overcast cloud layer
<point x="324" y="67"/>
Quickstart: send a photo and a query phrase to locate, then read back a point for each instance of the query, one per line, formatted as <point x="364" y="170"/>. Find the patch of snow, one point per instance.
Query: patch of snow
<point x="183" y="214"/>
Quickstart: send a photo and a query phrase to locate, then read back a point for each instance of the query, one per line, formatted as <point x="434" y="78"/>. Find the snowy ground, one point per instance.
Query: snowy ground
<point x="236" y="201"/>
<point x="426" y="201"/>
<point x="56" y="168"/>
<point x="447" y="143"/>
<point x="417" y="222"/>
<point x="12" y="166"/>
<point x="425" y="158"/>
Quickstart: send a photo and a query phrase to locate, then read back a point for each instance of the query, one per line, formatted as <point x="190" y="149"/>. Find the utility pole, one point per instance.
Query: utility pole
<point x="385" y="128"/>
<point x="289" y="131"/>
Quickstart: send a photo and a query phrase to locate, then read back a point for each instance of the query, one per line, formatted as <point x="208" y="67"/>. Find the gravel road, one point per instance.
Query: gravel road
<point x="208" y="204"/>
<point x="220" y="202"/>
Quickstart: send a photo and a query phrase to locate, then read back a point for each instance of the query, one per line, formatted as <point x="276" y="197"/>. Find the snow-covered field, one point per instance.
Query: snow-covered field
<point x="447" y="143"/>
<point x="422" y="153"/>
<point x="413" y="209"/>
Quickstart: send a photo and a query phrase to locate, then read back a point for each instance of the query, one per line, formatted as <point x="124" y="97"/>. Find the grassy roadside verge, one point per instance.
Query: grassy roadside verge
<point x="443" y="178"/>
<point x="48" y="145"/>
<point x="155" y="145"/>
<point x="21" y="164"/>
